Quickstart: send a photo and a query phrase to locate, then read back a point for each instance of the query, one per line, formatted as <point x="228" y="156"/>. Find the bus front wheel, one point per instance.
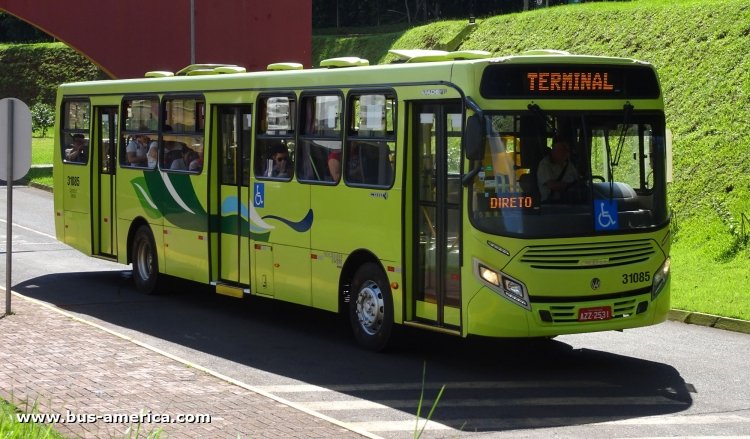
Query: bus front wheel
<point x="145" y="263"/>
<point x="371" y="307"/>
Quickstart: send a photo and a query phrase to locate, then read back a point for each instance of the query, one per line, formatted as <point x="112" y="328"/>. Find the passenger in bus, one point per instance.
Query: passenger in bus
<point x="152" y="156"/>
<point x="183" y="163"/>
<point x="280" y="165"/>
<point x="334" y="165"/>
<point x="77" y="150"/>
<point x="197" y="164"/>
<point x="556" y="173"/>
<point x="137" y="150"/>
<point x="172" y="151"/>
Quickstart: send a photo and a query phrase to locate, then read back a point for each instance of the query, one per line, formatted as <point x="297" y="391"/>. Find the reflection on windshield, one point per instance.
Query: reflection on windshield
<point x="563" y="174"/>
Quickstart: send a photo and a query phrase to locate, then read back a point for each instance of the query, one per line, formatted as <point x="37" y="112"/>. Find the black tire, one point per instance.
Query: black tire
<point x="145" y="261"/>
<point x="371" y="307"/>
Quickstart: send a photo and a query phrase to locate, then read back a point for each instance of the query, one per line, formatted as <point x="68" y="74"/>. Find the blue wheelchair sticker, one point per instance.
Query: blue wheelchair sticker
<point x="605" y="212"/>
<point x="259" y="195"/>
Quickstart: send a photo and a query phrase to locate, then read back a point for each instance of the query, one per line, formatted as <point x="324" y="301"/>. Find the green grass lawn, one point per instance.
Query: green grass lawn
<point x="41" y="161"/>
<point x="10" y="428"/>
<point x="41" y="150"/>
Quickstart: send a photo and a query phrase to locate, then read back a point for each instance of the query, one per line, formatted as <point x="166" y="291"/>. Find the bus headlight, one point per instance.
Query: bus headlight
<point x="660" y="279"/>
<point x="503" y="284"/>
<point x="489" y="276"/>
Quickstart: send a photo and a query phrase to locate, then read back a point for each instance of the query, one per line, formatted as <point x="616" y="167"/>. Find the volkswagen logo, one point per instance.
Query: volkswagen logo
<point x="595" y="283"/>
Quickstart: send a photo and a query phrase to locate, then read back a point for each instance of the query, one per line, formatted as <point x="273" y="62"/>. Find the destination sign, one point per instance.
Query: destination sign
<point x="569" y="81"/>
<point x="577" y="81"/>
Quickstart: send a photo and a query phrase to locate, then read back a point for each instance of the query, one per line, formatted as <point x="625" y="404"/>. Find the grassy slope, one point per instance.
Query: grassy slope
<point x="700" y="49"/>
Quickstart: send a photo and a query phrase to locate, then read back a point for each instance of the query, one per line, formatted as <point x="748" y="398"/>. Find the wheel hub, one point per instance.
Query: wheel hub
<point x="370" y="308"/>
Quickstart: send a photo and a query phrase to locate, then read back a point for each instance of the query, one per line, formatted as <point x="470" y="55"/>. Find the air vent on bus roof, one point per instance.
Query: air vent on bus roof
<point x="158" y="74"/>
<point x="428" y="55"/>
<point x="344" y="61"/>
<point x="198" y="69"/>
<point x="545" y="52"/>
<point x="209" y="69"/>
<point x="285" y="66"/>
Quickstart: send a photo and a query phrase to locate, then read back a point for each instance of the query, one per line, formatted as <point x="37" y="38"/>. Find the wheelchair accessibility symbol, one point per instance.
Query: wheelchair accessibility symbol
<point x="259" y="195"/>
<point x="606" y="214"/>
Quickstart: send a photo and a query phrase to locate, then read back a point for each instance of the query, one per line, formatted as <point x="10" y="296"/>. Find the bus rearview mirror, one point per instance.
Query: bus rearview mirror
<point x="474" y="138"/>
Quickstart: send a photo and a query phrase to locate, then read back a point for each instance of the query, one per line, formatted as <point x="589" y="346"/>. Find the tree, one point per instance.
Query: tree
<point x="42" y="118"/>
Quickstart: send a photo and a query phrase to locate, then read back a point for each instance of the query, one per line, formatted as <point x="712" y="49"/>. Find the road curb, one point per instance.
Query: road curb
<point x="712" y="321"/>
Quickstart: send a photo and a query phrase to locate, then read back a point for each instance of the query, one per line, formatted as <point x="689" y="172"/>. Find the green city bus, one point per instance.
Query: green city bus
<point x="402" y="194"/>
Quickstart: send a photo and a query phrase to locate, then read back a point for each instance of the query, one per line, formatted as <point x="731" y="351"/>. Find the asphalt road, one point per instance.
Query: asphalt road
<point x="669" y="380"/>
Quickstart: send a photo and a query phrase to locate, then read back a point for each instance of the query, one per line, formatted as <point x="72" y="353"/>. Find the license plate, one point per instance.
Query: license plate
<point x="595" y="313"/>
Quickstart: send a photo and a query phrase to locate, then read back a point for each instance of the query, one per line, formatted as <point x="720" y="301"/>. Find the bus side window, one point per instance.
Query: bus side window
<point x="369" y="153"/>
<point x="274" y="138"/>
<point x="75" y="132"/>
<point x="319" y="149"/>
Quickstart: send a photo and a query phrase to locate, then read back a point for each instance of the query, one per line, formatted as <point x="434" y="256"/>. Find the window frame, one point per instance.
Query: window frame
<point x="302" y="137"/>
<point x="261" y="137"/>
<point x="197" y="132"/>
<point x="126" y="133"/>
<point x="390" y="137"/>
<point x="72" y="131"/>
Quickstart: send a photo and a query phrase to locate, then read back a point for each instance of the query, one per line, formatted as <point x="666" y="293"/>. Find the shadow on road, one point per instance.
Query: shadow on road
<point x="532" y="384"/>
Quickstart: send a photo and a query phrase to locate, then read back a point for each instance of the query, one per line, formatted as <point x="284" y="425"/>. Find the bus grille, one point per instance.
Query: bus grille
<point x="587" y="255"/>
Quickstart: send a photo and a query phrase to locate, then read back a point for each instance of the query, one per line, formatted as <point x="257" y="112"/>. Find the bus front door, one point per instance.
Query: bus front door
<point x="437" y="227"/>
<point x="233" y="137"/>
<point x="105" y="242"/>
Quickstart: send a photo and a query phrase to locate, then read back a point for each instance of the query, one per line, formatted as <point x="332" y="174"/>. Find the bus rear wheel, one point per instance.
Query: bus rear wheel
<point x="371" y="307"/>
<point x="145" y="262"/>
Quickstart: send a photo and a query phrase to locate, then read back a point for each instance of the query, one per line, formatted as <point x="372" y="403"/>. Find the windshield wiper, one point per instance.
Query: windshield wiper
<point x="628" y="111"/>
<point x="615" y="160"/>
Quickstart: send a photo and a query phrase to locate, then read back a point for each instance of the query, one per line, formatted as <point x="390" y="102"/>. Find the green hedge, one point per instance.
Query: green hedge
<point x="32" y="72"/>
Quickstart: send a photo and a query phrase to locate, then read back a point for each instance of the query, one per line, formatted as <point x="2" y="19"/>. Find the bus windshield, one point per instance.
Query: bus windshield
<point x="550" y="174"/>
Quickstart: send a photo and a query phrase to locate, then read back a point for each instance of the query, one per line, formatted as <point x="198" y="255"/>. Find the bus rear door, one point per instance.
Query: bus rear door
<point x="234" y="137"/>
<point x="105" y="132"/>
<point x="436" y="128"/>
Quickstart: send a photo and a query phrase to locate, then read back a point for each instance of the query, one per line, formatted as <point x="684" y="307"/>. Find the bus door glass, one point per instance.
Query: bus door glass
<point x="233" y="138"/>
<point x="437" y="230"/>
<point x="103" y="213"/>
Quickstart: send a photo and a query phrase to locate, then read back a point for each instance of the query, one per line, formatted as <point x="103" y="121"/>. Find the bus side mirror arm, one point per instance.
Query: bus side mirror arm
<point x="468" y="177"/>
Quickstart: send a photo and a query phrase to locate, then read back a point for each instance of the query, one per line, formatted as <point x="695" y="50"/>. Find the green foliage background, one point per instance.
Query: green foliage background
<point x="32" y="72"/>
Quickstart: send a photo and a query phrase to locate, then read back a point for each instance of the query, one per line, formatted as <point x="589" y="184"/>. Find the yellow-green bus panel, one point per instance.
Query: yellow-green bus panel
<point x="76" y="187"/>
<point x="349" y="218"/>
<point x="292" y="274"/>
<point x="396" y="280"/>
<point x="263" y="270"/>
<point x="325" y="273"/>
<point x="490" y="315"/>
<point x="77" y="231"/>
<point x="186" y="253"/>
<point x="283" y="213"/>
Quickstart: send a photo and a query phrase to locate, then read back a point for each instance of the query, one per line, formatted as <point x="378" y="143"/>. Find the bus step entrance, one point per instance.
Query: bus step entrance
<point x="231" y="290"/>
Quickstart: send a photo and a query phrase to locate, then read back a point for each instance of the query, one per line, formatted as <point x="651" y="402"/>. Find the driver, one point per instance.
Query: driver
<point x="556" y="173"/>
